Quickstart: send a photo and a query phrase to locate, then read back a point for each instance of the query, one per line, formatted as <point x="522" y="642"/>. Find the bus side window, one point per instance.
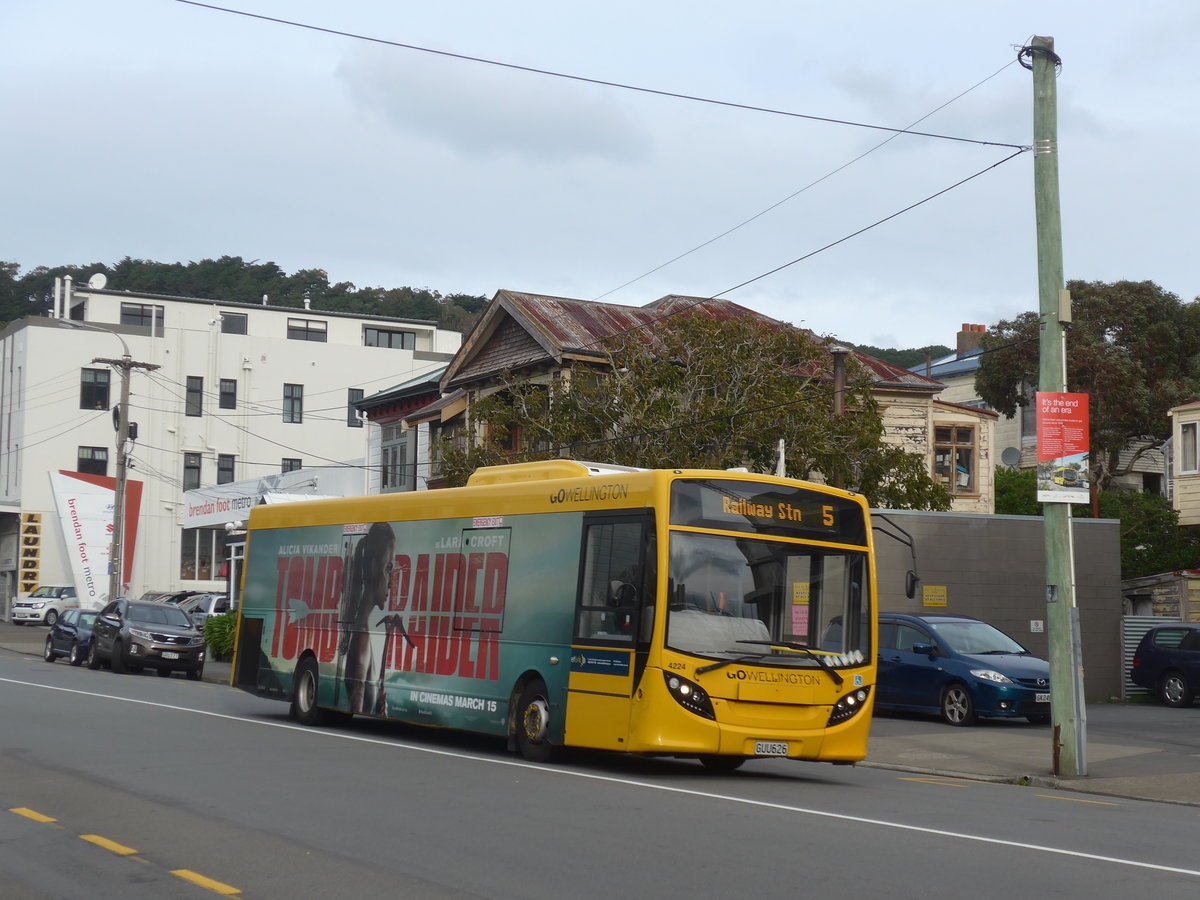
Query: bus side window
<point x="612" y="581"/>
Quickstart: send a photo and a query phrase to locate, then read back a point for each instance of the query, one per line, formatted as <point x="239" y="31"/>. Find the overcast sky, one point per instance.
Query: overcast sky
<point x="171" y="132"/>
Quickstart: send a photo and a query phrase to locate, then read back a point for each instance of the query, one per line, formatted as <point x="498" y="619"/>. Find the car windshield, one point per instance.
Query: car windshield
<point x="158" y="614"/>
<point x="754" y="598"/>
<point x="975" y="638"/>
<point x="46" y="592"/>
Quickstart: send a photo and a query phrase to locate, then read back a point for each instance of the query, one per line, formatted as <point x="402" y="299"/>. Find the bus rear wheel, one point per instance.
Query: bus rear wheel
<point x="304" y="693"/>
<point x="533" y="722"/>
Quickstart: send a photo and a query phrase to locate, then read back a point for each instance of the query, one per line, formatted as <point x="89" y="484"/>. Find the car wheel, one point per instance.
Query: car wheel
<point x="957" y="706"/>
<point x="195" y="674"/>
<point x="164" y="673"/>
<point x="533" y="722"/>
<point x="1039" y="719"/>
<point x="51" y="618"/>
<point x="117" y="661"/>
<point x="48" y="654"/>
<point x="93" y="656"/>
<point x="304" y="692"/>
<point x="75" y="657"/>
<point x="1174" y="690"/>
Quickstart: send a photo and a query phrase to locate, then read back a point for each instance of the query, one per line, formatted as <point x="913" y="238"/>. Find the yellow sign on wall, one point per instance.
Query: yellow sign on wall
<point x="933" y="595"/>
<point x="31" y="552"/>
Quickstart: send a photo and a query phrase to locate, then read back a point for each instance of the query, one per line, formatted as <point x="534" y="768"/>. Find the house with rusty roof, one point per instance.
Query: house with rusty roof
<point x="541" y="338"/>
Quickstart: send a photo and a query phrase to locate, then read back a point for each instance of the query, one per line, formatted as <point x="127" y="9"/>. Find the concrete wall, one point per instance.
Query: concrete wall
<point x="993" y="568"/>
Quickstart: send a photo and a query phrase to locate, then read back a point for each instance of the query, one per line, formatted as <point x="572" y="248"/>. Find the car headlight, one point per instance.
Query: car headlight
<point x="689" y="695"/>
<point x="196" y="642"/>
<point x="37" y="605"/>
<point x="138" y="633"/>
<point x="991" y="675"/>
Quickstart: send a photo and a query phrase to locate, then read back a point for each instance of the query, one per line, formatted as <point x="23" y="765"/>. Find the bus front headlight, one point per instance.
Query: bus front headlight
<point x="849" y="705"/>
<point x="689" y="695"/>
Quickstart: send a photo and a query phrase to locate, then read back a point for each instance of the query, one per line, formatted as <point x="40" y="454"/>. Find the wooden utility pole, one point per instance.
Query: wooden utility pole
<point x="124" y="366"/>
<point x="1068" y="714"/>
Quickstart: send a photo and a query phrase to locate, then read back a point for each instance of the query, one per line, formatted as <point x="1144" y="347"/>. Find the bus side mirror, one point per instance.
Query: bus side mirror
<point x="911" y="580"/>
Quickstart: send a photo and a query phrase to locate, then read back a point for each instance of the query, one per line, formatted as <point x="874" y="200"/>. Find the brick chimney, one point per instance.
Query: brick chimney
<point x="968" y="339"/>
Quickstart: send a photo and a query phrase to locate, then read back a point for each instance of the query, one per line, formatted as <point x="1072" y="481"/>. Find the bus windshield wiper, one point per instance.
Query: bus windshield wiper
<point x="724" y="662"/>
<point x="802" y="648"/>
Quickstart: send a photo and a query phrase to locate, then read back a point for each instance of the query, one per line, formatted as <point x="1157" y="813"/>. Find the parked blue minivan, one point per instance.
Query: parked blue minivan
<point x="959" y="668"/>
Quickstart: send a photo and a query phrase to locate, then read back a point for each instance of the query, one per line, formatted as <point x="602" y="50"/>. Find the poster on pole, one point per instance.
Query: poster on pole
<point x="1062" y="443"/>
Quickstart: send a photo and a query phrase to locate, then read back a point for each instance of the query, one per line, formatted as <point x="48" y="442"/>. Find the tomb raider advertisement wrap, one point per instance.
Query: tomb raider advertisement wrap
<point x="408" y="620"/>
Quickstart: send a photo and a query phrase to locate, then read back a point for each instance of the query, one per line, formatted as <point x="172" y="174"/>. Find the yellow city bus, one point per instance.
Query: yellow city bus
<point x="690" y="613"/>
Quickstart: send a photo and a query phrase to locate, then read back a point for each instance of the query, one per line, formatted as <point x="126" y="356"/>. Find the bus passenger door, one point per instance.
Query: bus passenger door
<point x="608" y="614"/>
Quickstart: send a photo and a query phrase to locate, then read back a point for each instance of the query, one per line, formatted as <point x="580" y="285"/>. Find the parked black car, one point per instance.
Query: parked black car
<point x="1167" y="661"/>
<point x="130" y="635"/>
<point x="70" y="636"/>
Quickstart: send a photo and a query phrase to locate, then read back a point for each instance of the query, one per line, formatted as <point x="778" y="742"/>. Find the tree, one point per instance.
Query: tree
<point x="231" y="279"/>
<point x="704" y="393"/>
<point x="1016" y="492"/>
<point x="1133" y="348"/>
<point x="1151" y="540"/>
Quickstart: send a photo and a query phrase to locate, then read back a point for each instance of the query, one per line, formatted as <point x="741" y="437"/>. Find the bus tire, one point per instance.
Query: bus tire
<point x="533" y="722"/>
<point x="304" y="693"/>
<point x="722" y="763"/>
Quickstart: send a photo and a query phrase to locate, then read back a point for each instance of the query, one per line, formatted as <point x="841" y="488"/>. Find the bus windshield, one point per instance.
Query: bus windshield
<point x="741" y="596"/>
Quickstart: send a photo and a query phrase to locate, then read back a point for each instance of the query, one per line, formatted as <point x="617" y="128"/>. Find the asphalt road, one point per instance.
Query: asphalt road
<point x="134" y="787"/>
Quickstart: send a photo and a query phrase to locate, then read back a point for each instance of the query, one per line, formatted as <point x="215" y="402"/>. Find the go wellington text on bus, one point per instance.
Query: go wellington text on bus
<point x="713" y="615"/>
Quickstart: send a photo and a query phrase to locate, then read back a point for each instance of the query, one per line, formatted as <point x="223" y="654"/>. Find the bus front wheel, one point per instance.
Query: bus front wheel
<point x="533" y="722"/>
<point x="304" y="693"/>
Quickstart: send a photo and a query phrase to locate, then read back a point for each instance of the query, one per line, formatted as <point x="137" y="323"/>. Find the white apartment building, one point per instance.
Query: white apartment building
<point x="220" y="393"/>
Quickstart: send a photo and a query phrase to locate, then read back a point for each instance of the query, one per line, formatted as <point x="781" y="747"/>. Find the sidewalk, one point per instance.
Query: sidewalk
<point x="1136" y="750"/>
<point x="1118" y="763"/>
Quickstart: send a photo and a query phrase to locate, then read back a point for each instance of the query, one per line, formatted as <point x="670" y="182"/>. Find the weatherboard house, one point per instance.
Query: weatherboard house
<point x="542" y="337"/>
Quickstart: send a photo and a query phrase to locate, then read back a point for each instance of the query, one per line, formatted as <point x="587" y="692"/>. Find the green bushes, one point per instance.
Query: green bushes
<point x="219" y="632"/>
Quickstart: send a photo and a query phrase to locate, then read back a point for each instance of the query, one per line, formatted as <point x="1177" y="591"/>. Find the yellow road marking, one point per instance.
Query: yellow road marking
<point x="108" y="845"/>
<point x="32" y="814"/>
<point x="196" y="878"/>
<point x="1077" y="799"/>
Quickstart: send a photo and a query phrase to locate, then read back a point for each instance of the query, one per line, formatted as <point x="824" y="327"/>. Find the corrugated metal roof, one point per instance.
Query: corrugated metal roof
<point x="561" y="326"/>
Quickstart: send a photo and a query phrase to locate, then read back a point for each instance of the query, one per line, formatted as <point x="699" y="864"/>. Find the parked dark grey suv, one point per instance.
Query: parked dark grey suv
<point x="1167" y="661"/>
<point x="131" y="635"/>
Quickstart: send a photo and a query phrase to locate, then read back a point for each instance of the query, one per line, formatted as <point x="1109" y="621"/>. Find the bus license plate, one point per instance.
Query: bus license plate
<point x="1041" y="698"/>
<point x="770" y="748"/>
<point x="169" y="655"/>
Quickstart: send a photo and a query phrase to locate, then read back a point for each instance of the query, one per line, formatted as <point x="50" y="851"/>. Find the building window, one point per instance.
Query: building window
<point x="228" y="393"/>
<point x="234" y="323"/>
<point x="92" y="461"/>
<point x="398" y="462"/>
<point x="291" y="465"/>
<point x="954" y="458"/>
<point x="307" y="330"/>
<point x="293" y="403"/>
<point x="385" y="337"/>
<point x="202" y="553"/>
<point x="193" y="404"/>
<point x="352" y="414"/>
<point x="191" y="471"/>
<point x="1189" y="449"/>
<point x="146" y="315"/>
<point x="225" y="468"/>
<point x="93" y="388"/>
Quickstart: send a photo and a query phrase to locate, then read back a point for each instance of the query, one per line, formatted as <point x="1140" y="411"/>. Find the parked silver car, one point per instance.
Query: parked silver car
<point x="44" y="605"/>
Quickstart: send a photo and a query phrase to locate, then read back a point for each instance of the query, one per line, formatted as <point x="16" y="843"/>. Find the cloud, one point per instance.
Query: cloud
<point x="484" y="111"/>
